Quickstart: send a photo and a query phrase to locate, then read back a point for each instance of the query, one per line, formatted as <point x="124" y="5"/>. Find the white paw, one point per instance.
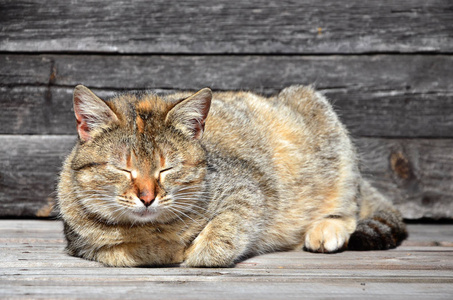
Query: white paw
<point x="329" y="235"/>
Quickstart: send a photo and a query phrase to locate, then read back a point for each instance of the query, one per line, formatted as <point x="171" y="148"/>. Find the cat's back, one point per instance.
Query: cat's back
<point x="296" y="110"/>
<point x="281" y="130"/>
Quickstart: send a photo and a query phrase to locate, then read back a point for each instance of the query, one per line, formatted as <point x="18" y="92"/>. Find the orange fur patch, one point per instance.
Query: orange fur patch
<point x="145" y="106"/>
<point x="162" y="161"/>
<point x="282" y="153"/>
<point x="140" y="124"/>
<point x="282" y="140"/>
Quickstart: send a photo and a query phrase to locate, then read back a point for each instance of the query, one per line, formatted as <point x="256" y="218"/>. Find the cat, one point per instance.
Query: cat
<point x="208" y="179"/>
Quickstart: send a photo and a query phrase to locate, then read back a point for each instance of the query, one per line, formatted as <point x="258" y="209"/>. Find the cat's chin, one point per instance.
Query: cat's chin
<point x="145" y="215"/>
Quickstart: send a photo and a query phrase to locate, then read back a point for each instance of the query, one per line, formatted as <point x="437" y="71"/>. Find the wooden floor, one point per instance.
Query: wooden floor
<point x="33" y="265"/>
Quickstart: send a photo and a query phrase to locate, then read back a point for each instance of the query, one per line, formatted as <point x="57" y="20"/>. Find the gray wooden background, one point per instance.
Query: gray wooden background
<point x="387" y="67"/>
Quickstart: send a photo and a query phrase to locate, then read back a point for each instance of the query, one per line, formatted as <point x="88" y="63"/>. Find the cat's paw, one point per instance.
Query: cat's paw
<point x="328" y="235"/>
<point x="213" y="247"/>
<point x="208" y="253"/>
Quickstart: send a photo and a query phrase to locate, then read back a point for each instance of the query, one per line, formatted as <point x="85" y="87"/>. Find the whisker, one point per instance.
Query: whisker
<point x="193" y="192"/>
<point x="194" y="212"/>
<point x="190" y="205"/>
<point x="179" y="211"/>
<point x="171" y="210"/>
<point x="190" y="199"/>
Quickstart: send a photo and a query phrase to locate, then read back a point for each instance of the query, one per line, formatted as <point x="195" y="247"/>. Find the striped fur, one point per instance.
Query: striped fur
<point x="207" y="179"/>
<point x="380" y="226"/>
<point x="384" y="230"/>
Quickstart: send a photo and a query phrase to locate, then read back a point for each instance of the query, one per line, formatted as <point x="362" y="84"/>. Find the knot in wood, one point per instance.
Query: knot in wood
<point x="400" y="165"/>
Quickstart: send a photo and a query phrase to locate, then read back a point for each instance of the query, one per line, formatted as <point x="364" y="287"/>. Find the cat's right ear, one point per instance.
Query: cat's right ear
<point x="91" y="112"/>
<point x="190" y="114"/>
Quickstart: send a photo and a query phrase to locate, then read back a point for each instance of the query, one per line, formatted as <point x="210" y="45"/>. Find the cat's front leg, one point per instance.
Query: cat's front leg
<point x="220" y="244"/>
<point x="138" y="254"/>
<point x="122" y="255"/>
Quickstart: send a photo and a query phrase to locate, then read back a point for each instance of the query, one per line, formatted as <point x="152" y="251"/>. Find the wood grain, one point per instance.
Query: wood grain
<point x="411" y="73"/>
<point x="417" y="174"/>
<point x="379" y="96"/>
<point x="418" y="180"/>
<point x="29" y="167"/>
<point x="226" y="26"/>
<point x="34" y="265"/>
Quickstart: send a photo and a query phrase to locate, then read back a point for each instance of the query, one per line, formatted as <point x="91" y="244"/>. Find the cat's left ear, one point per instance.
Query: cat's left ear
<point x="91" y="112"/>
<point x="190" y="114"/>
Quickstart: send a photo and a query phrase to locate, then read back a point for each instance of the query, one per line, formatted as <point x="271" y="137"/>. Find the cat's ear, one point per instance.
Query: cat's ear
<point x="190" y="114"/>
<point x="91" y="112"/>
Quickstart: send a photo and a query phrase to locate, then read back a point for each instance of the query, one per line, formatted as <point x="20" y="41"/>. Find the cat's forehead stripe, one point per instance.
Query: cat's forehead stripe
<point x="143" y="109"/>
<point x="140" y="124"/>
<point x="145" y="106"/>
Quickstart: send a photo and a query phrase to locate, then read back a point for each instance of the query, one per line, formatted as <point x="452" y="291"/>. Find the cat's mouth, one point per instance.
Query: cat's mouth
<point x="146" y="214"/>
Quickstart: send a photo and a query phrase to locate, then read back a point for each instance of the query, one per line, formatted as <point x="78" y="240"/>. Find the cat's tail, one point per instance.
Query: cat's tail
<point x="380" y="225"/>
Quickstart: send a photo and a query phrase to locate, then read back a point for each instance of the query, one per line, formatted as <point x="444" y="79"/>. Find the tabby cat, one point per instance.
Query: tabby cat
<point x="208" y="179"/>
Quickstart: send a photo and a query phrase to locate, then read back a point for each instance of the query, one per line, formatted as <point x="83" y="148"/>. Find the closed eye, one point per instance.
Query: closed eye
<point x="165" y="170"/>
<point x="124" y="170"/>
<point x="90" y="165"/>
<point x="131" y="173"/>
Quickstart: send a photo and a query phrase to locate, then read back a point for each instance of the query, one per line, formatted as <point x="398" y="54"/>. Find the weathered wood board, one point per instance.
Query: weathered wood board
<point x="227" y="26"/>
<point x="416" y="174"/>
<point x="34" y="265"/>
<point x="380" y="72"/>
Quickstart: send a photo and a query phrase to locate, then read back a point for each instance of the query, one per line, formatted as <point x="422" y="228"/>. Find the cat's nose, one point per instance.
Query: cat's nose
<point x="147" y="198"/>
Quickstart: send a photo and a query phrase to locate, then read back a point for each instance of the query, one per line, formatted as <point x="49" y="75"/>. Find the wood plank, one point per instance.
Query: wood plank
<point x="261" y="73"/>
<point x="29" y="166"/>
<point x="380" y="95"/>
<point x="25" y="69"/>
<point x="225" y="26"/>
<point x="416" y="174"/>
<point x="32" y="270"/>
<point x="396" y="114"/>
<point x="326" y="288"/>
<point x="430" y="235"/>
<point x="36" y="110"/>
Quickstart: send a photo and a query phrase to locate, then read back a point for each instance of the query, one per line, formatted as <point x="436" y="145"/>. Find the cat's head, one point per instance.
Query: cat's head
<point x="139" y="157"/>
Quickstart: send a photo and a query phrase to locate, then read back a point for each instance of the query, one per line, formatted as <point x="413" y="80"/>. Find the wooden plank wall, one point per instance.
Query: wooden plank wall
<point x="387" y="67"/>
